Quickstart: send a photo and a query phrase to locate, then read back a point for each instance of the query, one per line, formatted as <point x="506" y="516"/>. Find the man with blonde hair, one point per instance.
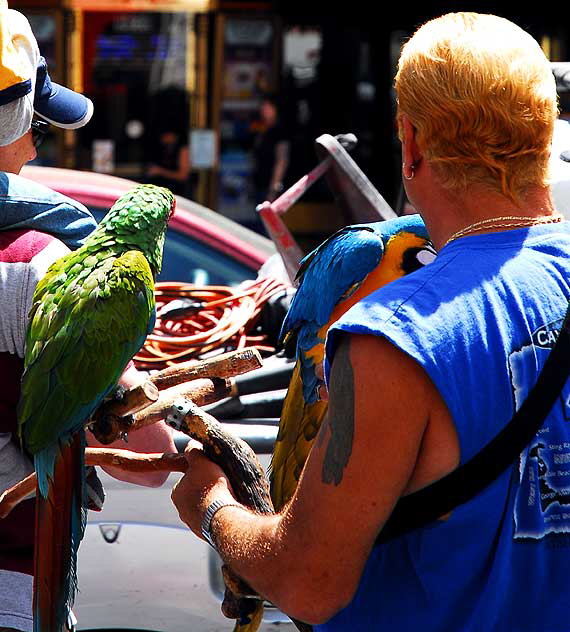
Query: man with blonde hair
<point x="423" y="373"/>
<point x="483" y="109"/>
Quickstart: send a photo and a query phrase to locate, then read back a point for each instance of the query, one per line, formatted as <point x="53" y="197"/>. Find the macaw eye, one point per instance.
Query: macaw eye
<point x="426" y="255"/>
<point x="416" y="258"/>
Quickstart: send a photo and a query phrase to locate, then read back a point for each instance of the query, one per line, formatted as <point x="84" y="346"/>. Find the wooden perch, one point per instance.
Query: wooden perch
<point x="111" y="421"/>
<point x="201" y="392"/>
<point x="109" y="427"/>
<point x="222" y="366"/>
<point x="15" y="494"/>
<point x="235" y="456"/>
<point x="123" y="459"/>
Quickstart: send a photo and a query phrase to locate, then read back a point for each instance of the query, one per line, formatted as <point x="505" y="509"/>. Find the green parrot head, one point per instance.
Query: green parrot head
<point x="139" y="219"/>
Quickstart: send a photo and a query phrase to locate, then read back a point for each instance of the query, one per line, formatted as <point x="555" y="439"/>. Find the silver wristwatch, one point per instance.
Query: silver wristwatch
<point x="209" y="514"/>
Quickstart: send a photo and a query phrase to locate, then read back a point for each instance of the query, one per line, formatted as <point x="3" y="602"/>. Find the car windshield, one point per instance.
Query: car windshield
<point x="187" y="259"/>
<point x="190" y="260"/>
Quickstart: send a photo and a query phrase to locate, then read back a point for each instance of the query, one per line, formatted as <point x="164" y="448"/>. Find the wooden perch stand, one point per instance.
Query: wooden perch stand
<point x="248" y="480"/>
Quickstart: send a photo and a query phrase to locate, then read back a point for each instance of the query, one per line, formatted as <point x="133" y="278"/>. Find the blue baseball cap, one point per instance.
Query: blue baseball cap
<point x="57" y="104"/>
<point x="25" y="86"/>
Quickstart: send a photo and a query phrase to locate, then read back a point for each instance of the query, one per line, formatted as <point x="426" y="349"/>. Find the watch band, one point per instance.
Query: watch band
<point x="209" y="514"/>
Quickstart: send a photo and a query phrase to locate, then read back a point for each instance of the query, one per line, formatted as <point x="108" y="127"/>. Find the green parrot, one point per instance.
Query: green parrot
<point x="91" y="313"/>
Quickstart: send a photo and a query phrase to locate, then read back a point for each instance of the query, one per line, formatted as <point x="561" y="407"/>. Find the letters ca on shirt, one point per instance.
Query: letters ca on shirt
<point x="542" y="505"/>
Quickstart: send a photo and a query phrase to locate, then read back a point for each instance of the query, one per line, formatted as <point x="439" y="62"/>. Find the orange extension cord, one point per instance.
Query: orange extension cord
<point x="226" y="321"/>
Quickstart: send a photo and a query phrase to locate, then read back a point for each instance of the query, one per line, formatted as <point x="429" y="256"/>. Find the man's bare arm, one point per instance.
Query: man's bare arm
<point x="308" y="560"/>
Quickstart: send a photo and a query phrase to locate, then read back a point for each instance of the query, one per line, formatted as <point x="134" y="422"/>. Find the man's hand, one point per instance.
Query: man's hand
<point x="203" y="483"/>
<point x="387" y="433"/>
<point x="155" y="438"/>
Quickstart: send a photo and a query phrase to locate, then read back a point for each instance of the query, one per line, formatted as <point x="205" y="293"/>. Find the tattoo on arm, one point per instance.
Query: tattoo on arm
<point x="340" y="416"/>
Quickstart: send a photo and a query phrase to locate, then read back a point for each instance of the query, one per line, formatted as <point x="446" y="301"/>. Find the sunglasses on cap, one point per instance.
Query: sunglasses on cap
<point x="39" y="131"/>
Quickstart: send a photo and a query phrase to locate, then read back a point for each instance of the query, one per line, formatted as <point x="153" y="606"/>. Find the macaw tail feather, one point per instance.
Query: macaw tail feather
<point x="60" y="523"/>
<point x="299" y="425"/>
<point x="252" y="621"/>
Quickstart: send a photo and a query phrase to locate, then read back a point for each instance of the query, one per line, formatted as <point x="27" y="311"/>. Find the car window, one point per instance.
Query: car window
<point x="187" y="259"/>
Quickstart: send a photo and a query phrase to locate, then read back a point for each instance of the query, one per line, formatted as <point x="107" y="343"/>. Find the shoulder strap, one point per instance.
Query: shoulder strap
<point x="426" y="505"/>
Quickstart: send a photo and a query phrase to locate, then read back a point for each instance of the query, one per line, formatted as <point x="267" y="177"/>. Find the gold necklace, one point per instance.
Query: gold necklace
<point x="508" y="221"/>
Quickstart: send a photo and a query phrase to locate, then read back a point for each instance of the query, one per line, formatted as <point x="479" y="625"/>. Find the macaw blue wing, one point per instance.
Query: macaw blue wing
<point x="349" y="265"/>
<point x="332" y="274"/>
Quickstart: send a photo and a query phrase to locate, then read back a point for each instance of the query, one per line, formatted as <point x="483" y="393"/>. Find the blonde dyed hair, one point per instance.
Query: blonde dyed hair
<point x="480" y="93"/>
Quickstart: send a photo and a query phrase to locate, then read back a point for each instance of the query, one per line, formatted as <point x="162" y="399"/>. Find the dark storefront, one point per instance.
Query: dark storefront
<point x="353" y="87"/>
<point x="202" y="67"/>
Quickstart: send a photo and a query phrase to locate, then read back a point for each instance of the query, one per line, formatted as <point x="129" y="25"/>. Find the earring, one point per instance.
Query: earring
<point x="412" y="171"/>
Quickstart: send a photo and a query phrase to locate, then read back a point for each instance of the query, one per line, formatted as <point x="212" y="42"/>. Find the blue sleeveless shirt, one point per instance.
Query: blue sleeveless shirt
<point x="480" y="320"/>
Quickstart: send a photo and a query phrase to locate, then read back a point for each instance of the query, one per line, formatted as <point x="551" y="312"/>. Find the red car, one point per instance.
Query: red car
<point x="201" y="246"/>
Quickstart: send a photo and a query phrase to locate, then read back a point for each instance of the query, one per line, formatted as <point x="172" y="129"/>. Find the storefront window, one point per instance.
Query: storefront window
<point x="248" y="73"/>
<point x="135" y="71"/>
<point x="44" y="26"/>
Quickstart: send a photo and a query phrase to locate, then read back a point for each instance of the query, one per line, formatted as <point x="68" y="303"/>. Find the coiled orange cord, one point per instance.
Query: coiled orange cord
<point x="226" y="321"/>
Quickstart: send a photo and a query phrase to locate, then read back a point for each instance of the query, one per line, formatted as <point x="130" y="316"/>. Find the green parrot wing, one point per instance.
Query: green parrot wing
<point x="90" y="315"/>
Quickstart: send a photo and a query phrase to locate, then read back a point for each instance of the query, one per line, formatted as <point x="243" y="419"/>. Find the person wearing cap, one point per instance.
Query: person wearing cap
<point x="423" y="373"/>
<point x="29" y="102"/>
<point x="37" y="226"/>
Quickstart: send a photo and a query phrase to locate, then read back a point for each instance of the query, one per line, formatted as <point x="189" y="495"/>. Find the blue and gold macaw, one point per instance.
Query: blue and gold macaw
<point x="349" y="265"/>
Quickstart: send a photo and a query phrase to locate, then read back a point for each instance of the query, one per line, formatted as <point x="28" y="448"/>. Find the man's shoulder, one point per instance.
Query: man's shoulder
<point x="16" y="187"/>
<point x="25" y="204"/>
<point x="404" y="302"/>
